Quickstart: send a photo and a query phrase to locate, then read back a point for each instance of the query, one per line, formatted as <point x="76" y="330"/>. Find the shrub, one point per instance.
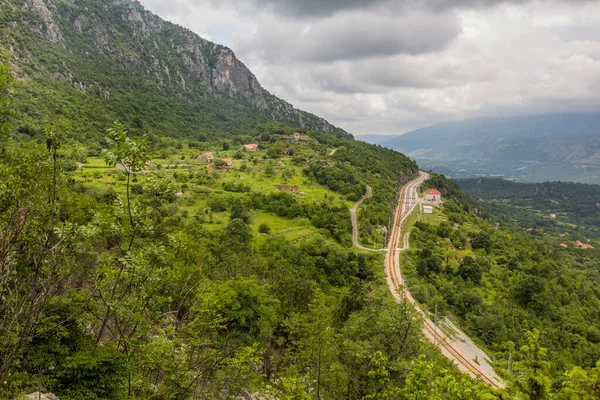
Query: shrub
<point x="264" y="228"/>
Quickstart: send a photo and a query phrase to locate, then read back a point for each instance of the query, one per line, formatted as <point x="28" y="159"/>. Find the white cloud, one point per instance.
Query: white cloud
<point x="382" y="68"/>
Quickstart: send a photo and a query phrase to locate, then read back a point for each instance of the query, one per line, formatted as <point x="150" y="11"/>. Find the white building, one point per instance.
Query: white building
<point x="433" y="195"/>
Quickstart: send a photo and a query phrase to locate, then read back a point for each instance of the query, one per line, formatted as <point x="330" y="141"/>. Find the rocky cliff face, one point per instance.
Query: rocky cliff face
<point x="132" y="46"/>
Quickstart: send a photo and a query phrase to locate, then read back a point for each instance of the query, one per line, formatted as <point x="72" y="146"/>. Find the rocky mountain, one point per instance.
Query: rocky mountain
<point x="532" y="148"/>
<point x="118" y="55"/>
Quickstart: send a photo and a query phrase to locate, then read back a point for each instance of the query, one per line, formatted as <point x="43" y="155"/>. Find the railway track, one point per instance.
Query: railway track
<point x="406" y="204"/>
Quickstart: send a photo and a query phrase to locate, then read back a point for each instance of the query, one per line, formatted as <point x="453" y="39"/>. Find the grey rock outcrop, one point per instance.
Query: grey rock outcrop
<point x="125" y="39"/>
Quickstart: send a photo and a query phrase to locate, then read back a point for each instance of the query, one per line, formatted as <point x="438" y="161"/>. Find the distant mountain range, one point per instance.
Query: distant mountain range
<point x="93" y="61"/>
<point x="528" y="148"/>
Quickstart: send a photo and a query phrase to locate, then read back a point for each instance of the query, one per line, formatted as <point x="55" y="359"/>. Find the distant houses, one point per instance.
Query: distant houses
<point x="433" y="195"/>
<point x="249" y="147"/>
<point x="79" y="165"/>
<point x="206" y="157"/>
<point x="288" y="188"/>
<point x="297" y="137"/>
<point x="228" y="161"/>
<point x="583" y="245"/>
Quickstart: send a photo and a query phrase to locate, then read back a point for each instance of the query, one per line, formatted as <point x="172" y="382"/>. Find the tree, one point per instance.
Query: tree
<point x="579" y="385"/>
<point x="264" y="228"/>
<point x="270" y="171"/>
<point x="426" y="266"/>
<point x="535" y="384"/>
<point x="482" y="241"/>
<point x="276" y="149"/>
<point x="470" y="269"/>
<point x="238" y="210"/>
<point x="34" y="243"/>
<point x="132" y="154"/>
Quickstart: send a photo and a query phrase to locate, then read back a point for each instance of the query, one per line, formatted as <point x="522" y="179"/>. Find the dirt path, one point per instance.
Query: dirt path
<point x="469" y="358"/>
<point x="354" y="217"/>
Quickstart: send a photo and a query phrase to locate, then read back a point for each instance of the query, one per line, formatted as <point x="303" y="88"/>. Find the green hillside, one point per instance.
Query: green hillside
<point x="136" y="265"/>
<point x="557" y="208"/>
<point x="176" y="278"/>
<point x="500" y="283"/>
<point x="95" y="61"/>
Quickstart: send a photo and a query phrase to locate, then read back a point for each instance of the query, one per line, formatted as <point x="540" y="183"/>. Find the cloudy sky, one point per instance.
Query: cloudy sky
<point x="389" y="66"/>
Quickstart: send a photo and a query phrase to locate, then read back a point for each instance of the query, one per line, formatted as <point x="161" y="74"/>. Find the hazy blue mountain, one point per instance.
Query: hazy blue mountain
<point x="530" y="148"/>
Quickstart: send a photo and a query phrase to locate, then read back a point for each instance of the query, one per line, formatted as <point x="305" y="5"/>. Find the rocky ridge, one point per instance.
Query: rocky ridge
<point x="139" y="48"/>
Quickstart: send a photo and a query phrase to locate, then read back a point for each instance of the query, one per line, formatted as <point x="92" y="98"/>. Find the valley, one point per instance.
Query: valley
<point x="170" y="229"/>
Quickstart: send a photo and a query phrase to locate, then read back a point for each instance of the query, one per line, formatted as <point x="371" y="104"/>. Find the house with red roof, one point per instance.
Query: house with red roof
<point x="433" y="195"/>
<point x="206" y="157"/>
<point x="228" y="161"/>
<point x="563" y="245"/>
<point x="250" y="147"/>
<point x="584" y="245"/>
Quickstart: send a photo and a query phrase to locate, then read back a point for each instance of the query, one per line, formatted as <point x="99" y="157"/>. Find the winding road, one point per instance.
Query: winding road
<point x="409" y="198"/>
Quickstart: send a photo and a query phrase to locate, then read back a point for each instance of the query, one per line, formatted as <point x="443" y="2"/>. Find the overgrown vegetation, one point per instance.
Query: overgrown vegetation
<point x="552" y="207"/>
<point x="500" y="283"/>
<point x="162" y="280"/>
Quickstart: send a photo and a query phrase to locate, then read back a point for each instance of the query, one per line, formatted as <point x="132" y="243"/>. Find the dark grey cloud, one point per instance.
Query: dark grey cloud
<point x="353" y="36"/>
<point x="325" y="8"/>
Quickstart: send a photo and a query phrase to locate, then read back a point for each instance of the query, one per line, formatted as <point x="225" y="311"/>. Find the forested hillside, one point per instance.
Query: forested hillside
<point x="95" y="61"/>
<point x="170" y="230"/>
<point x="551" y="207"/>
<point x="151" y="273"/>
<point x="521" y="295"/>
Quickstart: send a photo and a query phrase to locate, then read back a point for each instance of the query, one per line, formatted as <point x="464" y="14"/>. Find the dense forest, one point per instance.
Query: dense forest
<point x="555" y="207"/>
<point x="175" y="279"/>
<point x="500" y="283"/>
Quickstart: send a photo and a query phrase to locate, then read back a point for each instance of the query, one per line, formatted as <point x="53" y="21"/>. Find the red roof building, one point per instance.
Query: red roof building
<point x="433" y="195"/>
<point x="584" y="245"/>
<point x="563" y="245"/>
<point x="206" y="157"/>
<point x="250" y="147"/>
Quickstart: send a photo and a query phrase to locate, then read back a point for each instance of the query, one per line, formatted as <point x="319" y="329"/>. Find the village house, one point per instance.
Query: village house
<point x="228" y="161"/>
<point x="433" y="195"/>
<point x="206" y="157"/>
<point x="584" y="245"/>
<point x="249" y="147"/>
<point x="288" y="188"/>
<point x="79" y="164"/>
<point x="563" y="245"/>
<point x="300" y="138"/>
